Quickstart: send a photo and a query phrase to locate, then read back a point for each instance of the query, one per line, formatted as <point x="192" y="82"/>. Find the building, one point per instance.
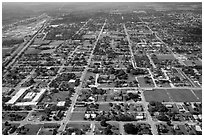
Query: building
<point x="61" y="103"/>
<point x="33" y="102"/>
<point x="17" y="96"/>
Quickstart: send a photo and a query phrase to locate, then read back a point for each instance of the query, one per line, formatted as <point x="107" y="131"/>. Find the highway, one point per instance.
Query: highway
<point x="15" y="57"/>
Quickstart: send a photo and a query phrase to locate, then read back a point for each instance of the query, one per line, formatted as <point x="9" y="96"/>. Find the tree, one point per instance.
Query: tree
<point x="5" y="99"/>
<point x="130" y="129"/>
<point x="108" y="131"/>
<point x="103" y="123"/>
<point x="105" y="97"/>
<point x="54" y="131"/>
<point x="7" y="123"/>
<point x="32" y="81"/>
<point x="16" y="108"/>
<point x="169" y="123"/>
<point x="151" y="109"/>
<point x="77" y="82"/>
<point x="13" y="129"/>
<point x="93" y="89"/>
<point x="28" y="107"/>
<point x="163" y="117"/>
<point x="111" y="104"/>
<point x="152" y="103"/>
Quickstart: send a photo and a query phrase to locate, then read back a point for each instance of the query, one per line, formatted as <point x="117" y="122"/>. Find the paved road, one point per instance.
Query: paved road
<point x="130" y="47"/>
<point x="149" y="118"/>
<point x="151" y="88"/>
<point x="185" y="76"/>
<point x="27" y="45"/>
<point x="152" y="78"/>
<point x="74" y="98"/>
<point x="151" y="61"/>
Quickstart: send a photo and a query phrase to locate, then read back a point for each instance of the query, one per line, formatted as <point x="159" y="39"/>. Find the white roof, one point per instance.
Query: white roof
<point x="93" y="115"/>
<point x="17" y="96"/>
<point x="72" y="81"/>
<point x="26" y="103"/>
<point x="139" y="117"/>
<point x="29" y="95"/>
<point x="92" y="85"/>
<point x="87" y="115"/>
<point x="198" y="128"/>
<point x="132" y="91"/>
<point x="195" y="116"/>
<point x="200" y="116"/>
<point x="54" y="26"/>
<point x="91" y="98"/>
<point x="61" y="103"/>
<point x="169" y="105"/>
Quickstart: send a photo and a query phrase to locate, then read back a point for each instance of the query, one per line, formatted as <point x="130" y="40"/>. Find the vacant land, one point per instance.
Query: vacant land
<point x="182" y="95"/>
<point x="198" y="94"/>
<point x="177" y="95"/>
<point x="156" y="95"/>
<point x="142" y="82"/>
<point x="56" y="97"/>
<point x="77" y="116"/>
<point x="32" y="129"/>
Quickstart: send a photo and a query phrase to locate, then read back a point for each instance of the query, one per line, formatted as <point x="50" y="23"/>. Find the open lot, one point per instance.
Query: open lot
<point x="81" y="109"/>
<point x="198" y="94"/>
<point x="56" y="97"/>
<point x="142" y="82"/>
<point x="77" y="116"/>
<point x="177" y="95"/>
<point x="156" y="95"/>
<point x="181" y="95"/>
<point x="31" y="129"/>
<point x="104" y="107"/>
<point x="80" y="128"/>
<point x="47" y="129"/>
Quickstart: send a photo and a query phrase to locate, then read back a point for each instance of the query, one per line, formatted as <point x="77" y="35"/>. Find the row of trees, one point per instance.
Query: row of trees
<point x="138" y="129"/>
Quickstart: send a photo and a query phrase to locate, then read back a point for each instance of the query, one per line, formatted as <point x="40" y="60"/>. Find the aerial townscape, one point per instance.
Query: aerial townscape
<point x="102" y="68"/>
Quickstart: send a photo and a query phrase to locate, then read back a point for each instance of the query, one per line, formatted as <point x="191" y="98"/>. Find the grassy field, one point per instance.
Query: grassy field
<point x="175" y="95"/>
<point x="181" y="95"/>
<point x="156" y="95"/>
<point x="33" y="129"/>
<point x="77" y="116"/>
<point x="104" y="107"/>
<point x="78" y="125"/>
<point x="46" y="131"/>
<point x="6" y="51"/>
<point x="83" y="126"/>
<point x="142" y="83"/>
<point x="56" y="97"/>
<point x="198" y="93"/>
<point x="81" y="109"/>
